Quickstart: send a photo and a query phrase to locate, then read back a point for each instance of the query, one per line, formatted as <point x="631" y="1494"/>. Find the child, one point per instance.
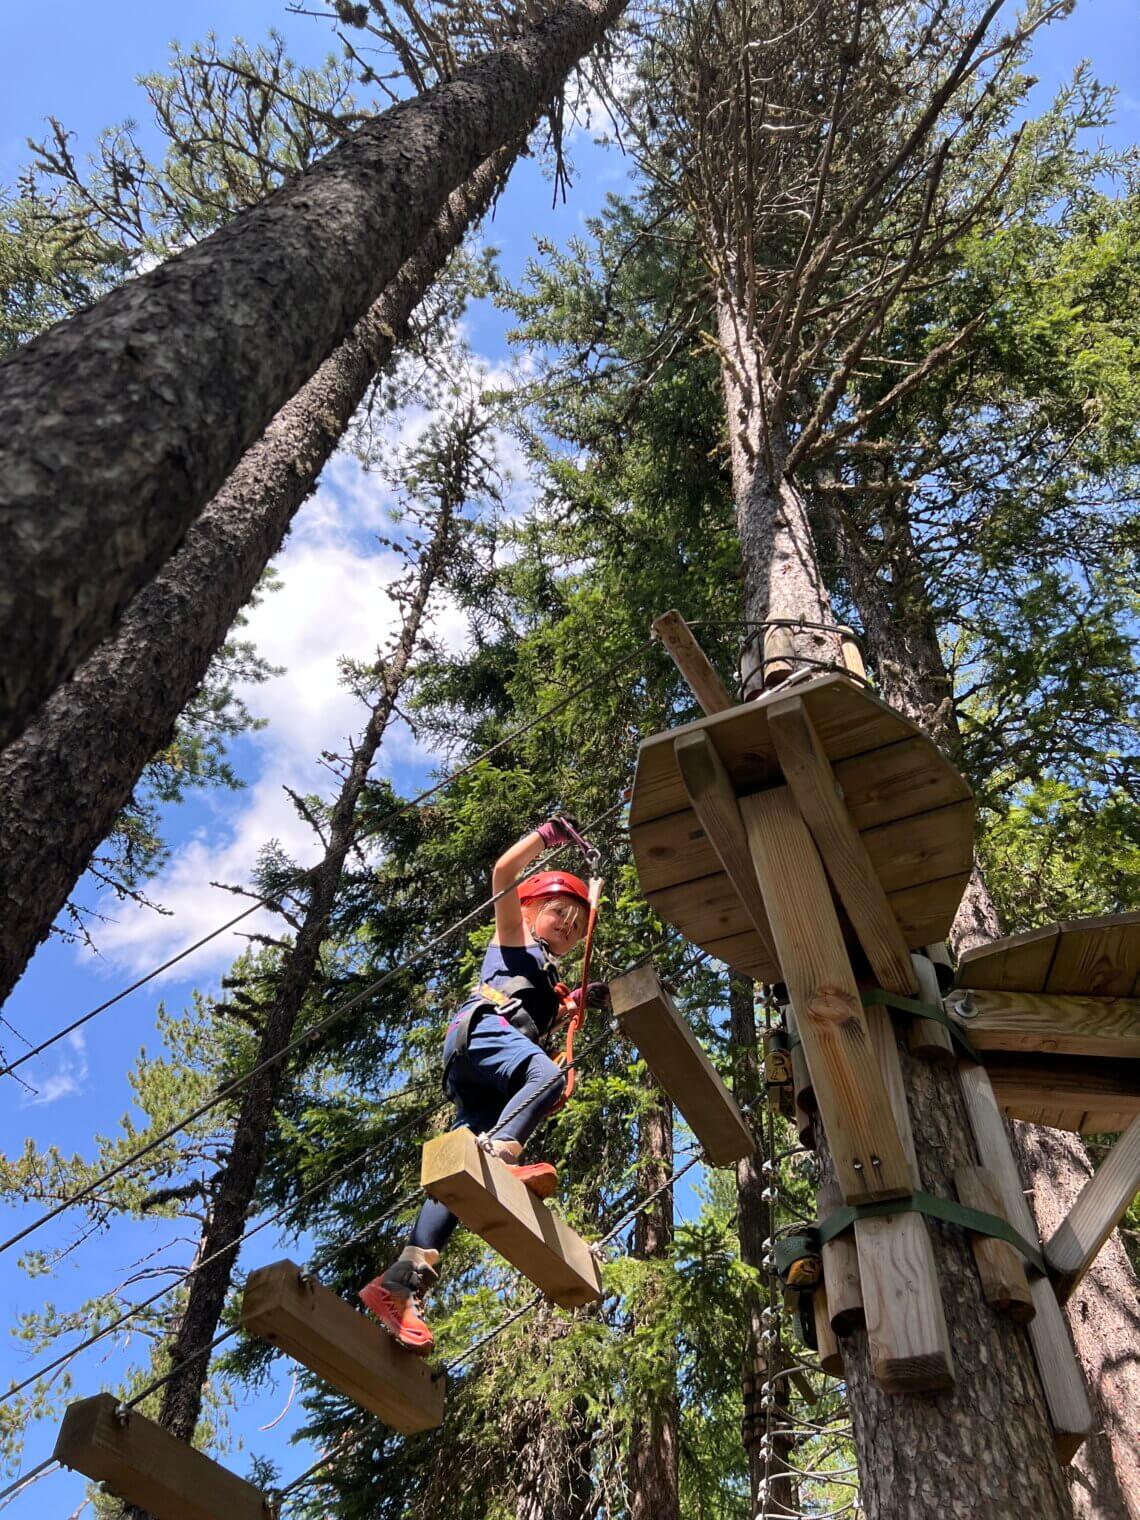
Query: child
<point x="502" y="1080"/>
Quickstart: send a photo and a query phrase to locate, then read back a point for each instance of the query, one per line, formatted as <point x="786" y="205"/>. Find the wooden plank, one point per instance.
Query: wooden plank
<point x="1019" y="963"/>
<point x="485" y="1196"/>
<point x="803" y="1099"/>
<point x="143" y="1464"/>
<point x="1005" y="1285"/>
<point x="902" y="779"/>
<point x="714" y="802"/>
<point x="1051" y="1024"/>
<point x="1086" y="1096"/>
<point x="1057" y="1366"/>
<point x="927" y="1038"/>
<point x="1097" y="1211"/>
<point x="648" y="1015"/>
<point x="744" y="953"/>
<point x="907" y="1335"/>
<point x="840" y="1270"/>
<point x="926" y="912"/>
<point x="832" y="1023"/>
<point x="808" y="772"/>
<point x="827" y="1347"/>
<point x="691" y="660"/>
<point x="1099" y="956"/>
<point x="705" y="910"/>
<point x="313" y="1325"/>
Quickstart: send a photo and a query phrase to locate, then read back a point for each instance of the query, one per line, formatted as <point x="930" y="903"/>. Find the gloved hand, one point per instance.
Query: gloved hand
<point x="597" y="995"/>
<point x="562" y="831"/>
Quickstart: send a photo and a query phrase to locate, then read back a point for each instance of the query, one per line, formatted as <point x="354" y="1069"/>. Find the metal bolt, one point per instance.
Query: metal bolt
<point x="857" y="1165"/>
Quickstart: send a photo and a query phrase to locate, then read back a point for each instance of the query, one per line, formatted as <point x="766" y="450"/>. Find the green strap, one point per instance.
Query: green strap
<point x="936" y="1208"/>
<point x="877" y="997"/>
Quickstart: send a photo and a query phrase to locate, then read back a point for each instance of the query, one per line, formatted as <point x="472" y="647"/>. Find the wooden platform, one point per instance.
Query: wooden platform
<point x="351" y="1352"/>
<point x="487" y="1198"/>
<point x="648" y="1015"/>
<point x="142" y="1464"/>
<point x="911" y="808"/>
<point x="1093" y="957"/>
<point x="1066" y="1092"/>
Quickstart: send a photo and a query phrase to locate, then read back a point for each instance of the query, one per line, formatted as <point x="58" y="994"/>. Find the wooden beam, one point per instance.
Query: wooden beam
<point x="927" y="1038"/>
<point x="840" y="1270"/>
<point x="830" y="1018"/>
<point x="827" y="1347"/>
<point x="852" y="654"/>
<point x="907" y="1333"/>
<point x="714" y="802"/>
<point x="803" y="1099"/>
<point x="1066" y="1092"/>
<point x="691" y="660"/>
<point x="289" y="1309"/>
<point x="808" y="772"/>
<point x="1044" y="1022"/>
<point x="649" y="1017"/>
<point x="143" y="1464"/>
<point x="1057" y="1366"/>
<point x="1005" y="1285"/>
<point x="485" y="1196"/>
<point x="1097" y="1211"/>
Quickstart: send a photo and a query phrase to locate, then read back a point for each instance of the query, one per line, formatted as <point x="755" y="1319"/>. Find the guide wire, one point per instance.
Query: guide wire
<point x="270" y="900"/>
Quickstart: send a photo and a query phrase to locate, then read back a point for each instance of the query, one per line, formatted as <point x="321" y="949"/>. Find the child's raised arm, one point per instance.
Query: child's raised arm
<point x="509" y="928"/>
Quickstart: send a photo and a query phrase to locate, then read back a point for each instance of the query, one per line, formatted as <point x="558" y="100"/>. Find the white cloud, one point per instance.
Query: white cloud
<point x="69" y="1076"/>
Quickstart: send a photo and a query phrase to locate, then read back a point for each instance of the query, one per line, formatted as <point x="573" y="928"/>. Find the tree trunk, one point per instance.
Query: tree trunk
<point x="118" y="426"/>
<point x="782" y="577"/>
<point x="653" y="1478"/>
<point x="234" y="1185"/>
<point x="63" y="782"/>
<point x="1104" y="1477"/>
<point x="755" y="1223"/>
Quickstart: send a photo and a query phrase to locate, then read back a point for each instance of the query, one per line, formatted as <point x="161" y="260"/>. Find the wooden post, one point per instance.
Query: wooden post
<point x="849" y="1090"/>
<point x="714" y="801"/>
<point x="927" y="1038"/>
<point x="840" y="1270"/>
<point x="852" y="654"/>
<point x="906" y="1324"/>
<point x="143" y="1464"/>
<point x="819" y="797"/>
<point x="648" y="1015"/>
<point x="489" y="1199"/>
<point x="1005" y="1284"/>
<point x="1097" y="1211"/>
<point x="1057" y="1366"/>
<point x="313" y="1325"/>
<point x="830" y="1356"/>
<point x="691" y="660"/>
<point x="803" y="1099"/>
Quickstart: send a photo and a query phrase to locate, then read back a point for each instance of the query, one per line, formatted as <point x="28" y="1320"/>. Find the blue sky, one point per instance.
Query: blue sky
<point x="79" y="62"/>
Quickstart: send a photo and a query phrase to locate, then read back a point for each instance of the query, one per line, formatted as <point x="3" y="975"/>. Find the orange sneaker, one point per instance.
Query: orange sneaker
<point x="540" y="1177"/>
<point x="399" y="1313"/>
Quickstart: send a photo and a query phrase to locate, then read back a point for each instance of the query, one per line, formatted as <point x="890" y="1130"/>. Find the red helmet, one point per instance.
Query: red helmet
<point x="554" y="884"/>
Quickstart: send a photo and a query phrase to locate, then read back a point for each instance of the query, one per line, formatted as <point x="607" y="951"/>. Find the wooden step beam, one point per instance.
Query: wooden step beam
<point x="292" y="1310"/>
<point x="907" y="1333"/>
<point x="691" y="660"/>
<point x="485" y="1196"/>
<point x="1073" y="1247"/>
<point x="849" y="1089"/>
<point x="648" y="1015"/>
<point x="1096" y="1027"/>
<point x="808" y="772"/>
<point x="143" y="1464"/>
<point x="714" y="802"/>
<point x="1057" y="1365"/>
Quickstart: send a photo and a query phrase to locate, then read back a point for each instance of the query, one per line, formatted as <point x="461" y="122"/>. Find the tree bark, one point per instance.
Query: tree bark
<point x="653" y="1477"/>
<point x="1104" y="1477"/>
<point x="118" y="426"/>
<point x="234" y="1185"/>
<point x="63" y="782"/>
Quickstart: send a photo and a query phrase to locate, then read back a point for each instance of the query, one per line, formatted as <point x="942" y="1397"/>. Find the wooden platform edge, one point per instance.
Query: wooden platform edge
<point x="145" y="1465"/>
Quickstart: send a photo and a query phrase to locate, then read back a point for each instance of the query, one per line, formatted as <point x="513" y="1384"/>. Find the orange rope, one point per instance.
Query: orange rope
<point x="565" y="1058"/>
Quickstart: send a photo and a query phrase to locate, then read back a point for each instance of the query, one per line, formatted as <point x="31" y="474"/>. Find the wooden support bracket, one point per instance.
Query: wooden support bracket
<point x="830" y="1018"/>
<point x="840" y="1270"/>
<point x="313" y="1325"/>
<point x="1005" y="1284"/>
<point x="143" y="1464"/>
<point x="906" y="1325"/>
<point x="482" y="1193"/>
<point x="691" y="660"/>
<point x="714" y="801"/>
<point x="1097" y="1211"/>
<point x="808" y="772"/>
<point x="1057" y="1366"/>
<point x="927" y="1038"/>
<point x="1096" y="1027"/>
<point x="648" y="1015"/>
